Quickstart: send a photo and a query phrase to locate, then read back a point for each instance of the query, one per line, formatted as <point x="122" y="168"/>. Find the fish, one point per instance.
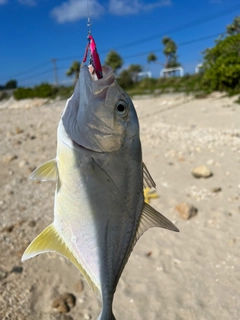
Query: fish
<point x="99" y="207"/>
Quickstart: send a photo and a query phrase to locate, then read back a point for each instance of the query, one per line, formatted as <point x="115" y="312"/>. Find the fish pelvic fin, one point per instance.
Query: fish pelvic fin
<point x="152" y="218"/>
<point x="49" y="240"/>
<point x="45" y="172"/>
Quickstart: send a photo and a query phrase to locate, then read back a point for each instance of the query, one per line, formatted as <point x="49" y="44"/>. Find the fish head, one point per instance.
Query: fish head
<point x="100" y="116"/>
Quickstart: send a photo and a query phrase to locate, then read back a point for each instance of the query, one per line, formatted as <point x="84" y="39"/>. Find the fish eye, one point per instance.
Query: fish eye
<point x="121" y="108"/>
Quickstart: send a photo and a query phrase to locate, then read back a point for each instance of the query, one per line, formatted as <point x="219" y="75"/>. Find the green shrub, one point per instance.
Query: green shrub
<point x="222" y="66"/>
<point x="44" y="90"/>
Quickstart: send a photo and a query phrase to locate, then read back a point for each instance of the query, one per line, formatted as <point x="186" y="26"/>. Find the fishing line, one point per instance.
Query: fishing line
<point x="89" y="22"/>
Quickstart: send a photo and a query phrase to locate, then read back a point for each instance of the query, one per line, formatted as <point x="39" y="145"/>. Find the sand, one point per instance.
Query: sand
<point x="191" y="275"/>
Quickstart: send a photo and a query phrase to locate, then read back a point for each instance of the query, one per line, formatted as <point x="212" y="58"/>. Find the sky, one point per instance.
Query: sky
<point x="33" y="32"/>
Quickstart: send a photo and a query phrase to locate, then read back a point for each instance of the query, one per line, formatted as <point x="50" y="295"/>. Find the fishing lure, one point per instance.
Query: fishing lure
<point x="94" y="57"/>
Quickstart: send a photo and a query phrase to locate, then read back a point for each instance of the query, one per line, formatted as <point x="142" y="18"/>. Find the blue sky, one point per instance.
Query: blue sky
<point x="35" y="31"/>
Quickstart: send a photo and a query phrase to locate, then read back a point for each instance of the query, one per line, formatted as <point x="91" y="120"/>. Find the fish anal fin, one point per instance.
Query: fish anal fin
<point x="45" y="172"/>
<point x="148" y="181"/>
<point x="49" y="240"/>
<point x="152" y="218"/>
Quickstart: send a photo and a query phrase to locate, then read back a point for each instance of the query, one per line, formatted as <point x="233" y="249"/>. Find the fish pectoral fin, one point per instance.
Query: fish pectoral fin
<point x="151" y="218"/>
<point x="45" y="172"/>
<point x="148" y="181"/>
<point x="49" y="240"/>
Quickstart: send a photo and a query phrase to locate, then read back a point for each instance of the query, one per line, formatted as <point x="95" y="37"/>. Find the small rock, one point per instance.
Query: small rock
<point x="79" y="286"/>
<point x="17" y="269"/>
<point x="23" y="163"/>
<point x="64" y="302"/>
<point x="2" y="202"/>
<point x="217" y="189"/>
<point x="3" y="274"/>
<point x="9" y="158"/>
<point x="32" y="223"/>
<point x="18" y="130"/>
<point x="8" y="228"/>
<point x="186" y="211"/>
<point x="201" y="172"/>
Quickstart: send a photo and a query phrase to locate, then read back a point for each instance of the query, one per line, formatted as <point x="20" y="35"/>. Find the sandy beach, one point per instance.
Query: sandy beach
<point x="191" y="275"/>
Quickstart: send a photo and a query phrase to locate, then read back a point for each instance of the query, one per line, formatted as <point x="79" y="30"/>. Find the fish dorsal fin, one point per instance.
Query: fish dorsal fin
<point x="151" y="218"/>
<point x="45" y="172"/>
<point x="49" y="240"/>
<point x="148" y="181"/>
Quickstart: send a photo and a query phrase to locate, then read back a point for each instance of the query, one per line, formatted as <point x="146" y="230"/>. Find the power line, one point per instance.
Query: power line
<point x="181" y="27"/>
<point x="55" y="71"/>
<point x="147" y="39"/>
<point x="179" y="45"/>
<point x="30" y="70"/>
<point x="139" y="54"/>
<point x="170" y="31"/>
<point x="39" y="74"/>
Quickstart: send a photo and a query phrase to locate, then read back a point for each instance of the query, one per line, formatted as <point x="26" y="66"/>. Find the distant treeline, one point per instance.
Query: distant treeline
<point x="44" y="90"/>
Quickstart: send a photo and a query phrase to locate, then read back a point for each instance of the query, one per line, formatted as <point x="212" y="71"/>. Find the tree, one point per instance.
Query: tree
<point x="234" y="28"/>
<point x="128" y="76"/>
<point x="133" y="70"/>
<point x="11" y="84"/>
<point x="170" y="52"/>
<point x="151" y="58"/>
<point x="74" y="70"/>
<point x="222" y="65"/>
<point x="114" y="60"/>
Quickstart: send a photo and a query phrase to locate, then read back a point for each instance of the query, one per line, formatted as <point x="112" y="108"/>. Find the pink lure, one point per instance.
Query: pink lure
<point x="94" y="57"/>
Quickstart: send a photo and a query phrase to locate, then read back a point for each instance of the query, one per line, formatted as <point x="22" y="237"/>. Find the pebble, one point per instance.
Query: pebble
<point x="186" y="211"/>
<point x="3" y="274"/>
<point x="32" y="223"/>
<point x="201" y="172"/>
<point x="79" y="286"/>
<point x="9" y="158"/>
<point x="217" y="189"/>
<point x="64" y="302"/>
<point x="17" y="269"/>
<point x="23" y="163"/>
<point x="18" y="130"/>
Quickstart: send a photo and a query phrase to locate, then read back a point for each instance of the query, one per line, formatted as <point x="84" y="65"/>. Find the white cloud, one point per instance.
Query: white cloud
<point x="125" y="7"/>
<point x="73" y="10"/>
<point x="3" y="1"/>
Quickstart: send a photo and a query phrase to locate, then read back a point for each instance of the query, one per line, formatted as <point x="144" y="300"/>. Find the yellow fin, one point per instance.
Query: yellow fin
<point x="149" y="194"/>
<point x="47" y="171"/>
<point x="50" y="240"/>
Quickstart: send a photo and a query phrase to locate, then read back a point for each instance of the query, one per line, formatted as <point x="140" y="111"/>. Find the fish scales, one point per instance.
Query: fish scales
<point x="99" y="210"/>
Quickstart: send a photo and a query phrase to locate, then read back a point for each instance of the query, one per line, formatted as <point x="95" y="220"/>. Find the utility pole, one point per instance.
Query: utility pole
<point x="55" y="71"/>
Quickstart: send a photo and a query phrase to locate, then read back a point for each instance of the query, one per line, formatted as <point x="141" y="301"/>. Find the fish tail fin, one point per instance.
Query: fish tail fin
<point x="107" y="313"/>
<point x="104" y="316"/>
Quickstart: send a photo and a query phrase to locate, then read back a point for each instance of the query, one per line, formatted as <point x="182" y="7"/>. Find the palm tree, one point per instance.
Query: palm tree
<point x="170" y="51"/>
<point x="74" y="70"/>
<point x="114" y="60"/>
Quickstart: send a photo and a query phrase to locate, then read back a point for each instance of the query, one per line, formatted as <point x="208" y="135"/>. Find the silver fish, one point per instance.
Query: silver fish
<point x="99" y="211"/>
